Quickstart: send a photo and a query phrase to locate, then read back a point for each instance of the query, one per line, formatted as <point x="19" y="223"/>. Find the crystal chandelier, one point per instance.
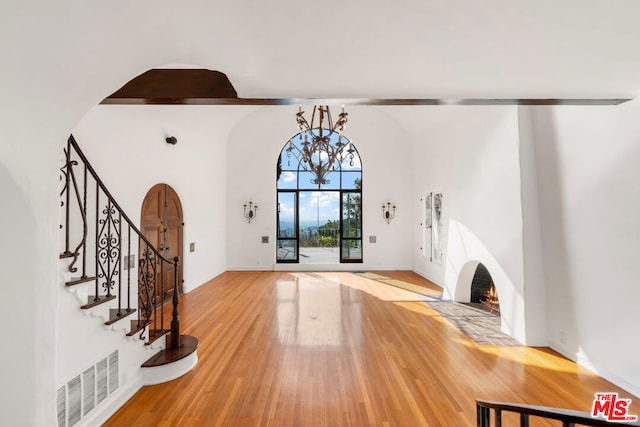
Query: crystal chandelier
<point x="321" y="145"/>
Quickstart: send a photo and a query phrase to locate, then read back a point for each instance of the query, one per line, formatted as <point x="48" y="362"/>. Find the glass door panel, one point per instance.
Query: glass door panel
<point x="287" y="239"/>
<point x="351" y="250"/>
<point x="351" y="247"/>
<point x="319" y="230"/>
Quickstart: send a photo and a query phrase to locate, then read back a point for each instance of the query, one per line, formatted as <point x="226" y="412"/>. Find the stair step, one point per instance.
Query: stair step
<point x="64" y="255"/>
<point x="100" y="299"/>
<point x="135" y="327"/>
<point x="114" y="316"/>
<point x="156" y="334"/>
<point x="79" y="280"/>
<point x="188" y="345"/>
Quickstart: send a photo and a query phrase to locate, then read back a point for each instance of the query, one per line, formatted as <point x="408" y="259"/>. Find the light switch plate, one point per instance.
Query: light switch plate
<point x="192" y="247"/>
<point x="372" y="239"/>
<point x="265" y="239"/>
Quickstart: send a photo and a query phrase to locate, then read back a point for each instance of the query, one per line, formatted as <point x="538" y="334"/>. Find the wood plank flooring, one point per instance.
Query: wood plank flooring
<point x="341" y="349"/>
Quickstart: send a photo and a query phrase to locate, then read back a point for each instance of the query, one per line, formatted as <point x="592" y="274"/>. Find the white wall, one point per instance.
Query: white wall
<point x="588" y="178"/>
<point x="47" y="92"/>
<point x="62" y="58"/>
<point x="126" y="145"/>
<point x="28" y="371"/>
<point x="534" y="289"/>
<point x="254" y="147"/>
<point x="471" y="155"/>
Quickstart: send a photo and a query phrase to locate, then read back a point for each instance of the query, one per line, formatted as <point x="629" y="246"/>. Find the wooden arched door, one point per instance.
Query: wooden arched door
<point x="161" y="223"/>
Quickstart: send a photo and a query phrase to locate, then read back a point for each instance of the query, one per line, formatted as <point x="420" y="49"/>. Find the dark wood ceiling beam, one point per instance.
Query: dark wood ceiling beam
<point x="365" y="101"/>
<point x="194" y="86"/>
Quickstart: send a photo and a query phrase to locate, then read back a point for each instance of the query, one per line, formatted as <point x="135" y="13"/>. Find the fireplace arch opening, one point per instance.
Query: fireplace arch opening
<point x="483" y="292"/>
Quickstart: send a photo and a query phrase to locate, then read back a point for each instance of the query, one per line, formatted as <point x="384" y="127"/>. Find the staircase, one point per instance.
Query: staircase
<point x="564" y="417"/>
<point x="119" y="277"/>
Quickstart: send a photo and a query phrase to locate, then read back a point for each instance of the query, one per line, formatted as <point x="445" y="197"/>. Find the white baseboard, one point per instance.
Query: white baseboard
<point x="148" y="376"/>
<point x="426" y="276"/>
<point x="319" y="267"/>
<point x="583" y="360"/>
<point x="266" y="267"/>
<point x="188" y="289"/>
<point x="114" y="402"/>
<point x="334" y="267"/>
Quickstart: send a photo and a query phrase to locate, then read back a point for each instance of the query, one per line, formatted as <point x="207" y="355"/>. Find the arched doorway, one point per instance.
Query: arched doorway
<point x="161" y="222"/>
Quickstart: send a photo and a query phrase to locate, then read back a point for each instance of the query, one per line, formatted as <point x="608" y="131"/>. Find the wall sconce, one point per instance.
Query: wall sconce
<point x="388" y="211"/>
<point x="250" y="211"/>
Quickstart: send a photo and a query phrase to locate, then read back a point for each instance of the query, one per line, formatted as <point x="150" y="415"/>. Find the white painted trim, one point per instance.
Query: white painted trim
<point x="347" y="267"/>
<point x="250" y="268"/>
<point x="425" y="275"/>
<point x="319" y="267"/>
<point x="188" y="289"/>
<point x="583" y="360"/>
<point x="171" y="371"/>
<point x="116" y="401"/>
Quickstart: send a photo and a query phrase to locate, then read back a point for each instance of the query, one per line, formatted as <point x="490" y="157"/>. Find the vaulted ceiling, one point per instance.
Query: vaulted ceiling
<point x="417" y="48"/>
<point x="356" y="49"/>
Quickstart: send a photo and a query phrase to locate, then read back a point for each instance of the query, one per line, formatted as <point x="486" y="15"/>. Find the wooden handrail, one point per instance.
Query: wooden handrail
<point x="566" y="416"/>
<point x="108" y="242"/>
<point x="115" y="204"/>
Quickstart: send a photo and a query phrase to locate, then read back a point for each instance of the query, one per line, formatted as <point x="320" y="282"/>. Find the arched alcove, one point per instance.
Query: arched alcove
<point x="478" y="285"/>
<point x="475" y="285"/>
<point x="465" y="252"/>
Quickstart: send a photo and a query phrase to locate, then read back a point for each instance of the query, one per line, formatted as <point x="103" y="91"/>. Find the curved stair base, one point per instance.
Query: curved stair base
<point x="170" y="364"/>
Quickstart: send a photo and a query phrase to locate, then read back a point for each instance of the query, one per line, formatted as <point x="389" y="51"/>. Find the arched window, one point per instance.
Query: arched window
<point x="319" y="218"/>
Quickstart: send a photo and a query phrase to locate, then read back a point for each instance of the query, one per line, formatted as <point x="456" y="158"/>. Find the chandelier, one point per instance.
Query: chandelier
<point x="320" y="147"/>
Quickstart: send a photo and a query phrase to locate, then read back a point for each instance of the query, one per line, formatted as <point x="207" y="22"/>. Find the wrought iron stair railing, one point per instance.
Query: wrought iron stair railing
<point x="100" y="240"/>
<point x="564" y="417"/>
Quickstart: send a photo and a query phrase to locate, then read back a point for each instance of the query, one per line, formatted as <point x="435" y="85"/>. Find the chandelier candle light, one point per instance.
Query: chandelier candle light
<point x="250" y="213"/>
<point x="388" y="211"/>
<point x="319" y="151"/>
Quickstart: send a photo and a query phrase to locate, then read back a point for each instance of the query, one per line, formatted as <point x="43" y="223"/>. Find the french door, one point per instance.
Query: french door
<point x="298" y="233"/>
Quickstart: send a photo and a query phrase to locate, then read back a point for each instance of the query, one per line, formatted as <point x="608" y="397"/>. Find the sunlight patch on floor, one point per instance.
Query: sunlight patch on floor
<point x="381" y="290"/>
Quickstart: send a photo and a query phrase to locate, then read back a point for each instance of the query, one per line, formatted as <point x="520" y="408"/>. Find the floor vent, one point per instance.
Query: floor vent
<point x="78" y="397"/>
<point x="101" y="380"/>
<point x="74" y="400"/>
<point x="62" y="406"/>
<point x="113" y="372"/>
<point x="89" y="390"/>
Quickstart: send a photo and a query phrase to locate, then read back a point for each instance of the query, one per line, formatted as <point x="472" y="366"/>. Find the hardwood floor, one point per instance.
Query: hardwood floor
<point x="340" y="349"/>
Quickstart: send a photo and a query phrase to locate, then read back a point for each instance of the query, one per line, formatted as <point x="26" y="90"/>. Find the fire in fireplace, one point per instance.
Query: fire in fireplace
<point x="483" y="291"/>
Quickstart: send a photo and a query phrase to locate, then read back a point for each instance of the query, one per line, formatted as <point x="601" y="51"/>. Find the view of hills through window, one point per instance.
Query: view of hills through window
<point x="319" y="221"/>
